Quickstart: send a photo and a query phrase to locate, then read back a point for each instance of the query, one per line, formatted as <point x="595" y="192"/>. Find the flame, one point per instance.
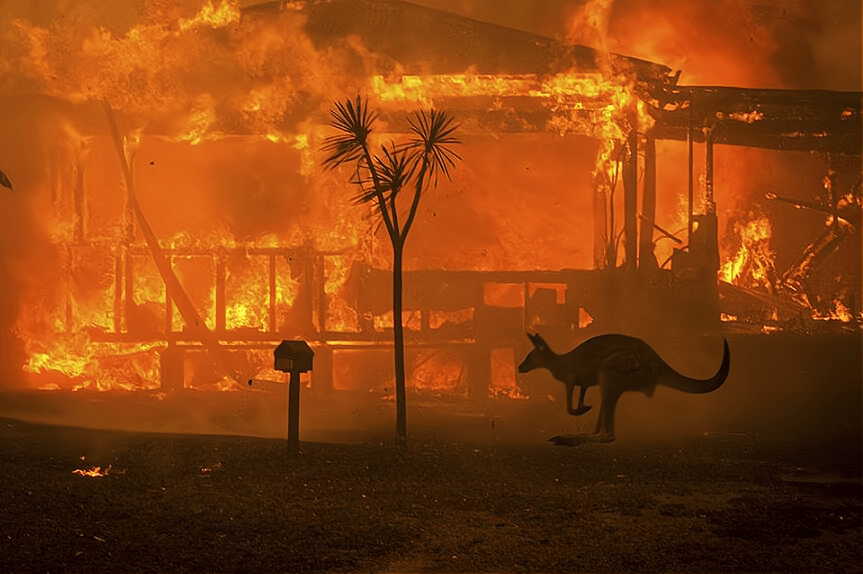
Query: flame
<point x="225" y="13"/>
<point x="199" y="121"/>
<point x="247" y="294"/>
<point x="95" y="472"/>
<point x="412" y="320"/>
<point x="76" y="363"/>
<point x="752" y="265"/>
<point x="68" y="327"/>
<point x="595" y="104"/>
<point x="838" y="312"/>
<point x="341" y="316"/>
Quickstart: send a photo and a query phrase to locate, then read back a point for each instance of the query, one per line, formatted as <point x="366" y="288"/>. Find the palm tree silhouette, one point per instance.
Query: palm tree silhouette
<point x="381" y="178"/>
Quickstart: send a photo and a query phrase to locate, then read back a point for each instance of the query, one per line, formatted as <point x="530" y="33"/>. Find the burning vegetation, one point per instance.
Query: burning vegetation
<point x="168" y="218"/>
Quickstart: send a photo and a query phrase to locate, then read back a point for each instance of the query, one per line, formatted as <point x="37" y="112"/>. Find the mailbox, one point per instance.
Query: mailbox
<point x="293" y="356"/>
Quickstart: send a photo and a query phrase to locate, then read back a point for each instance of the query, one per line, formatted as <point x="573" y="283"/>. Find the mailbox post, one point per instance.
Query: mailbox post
<point x="293" y="357"/>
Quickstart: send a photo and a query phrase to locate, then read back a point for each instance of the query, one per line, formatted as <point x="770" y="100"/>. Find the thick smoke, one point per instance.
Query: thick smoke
<point x="797" y="44"/>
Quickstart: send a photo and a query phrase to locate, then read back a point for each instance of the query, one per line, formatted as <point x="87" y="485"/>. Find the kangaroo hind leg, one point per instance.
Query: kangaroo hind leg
<point x="610" y="391"/>
<point x="581" y="408"/>
<point x="605" y="424"/>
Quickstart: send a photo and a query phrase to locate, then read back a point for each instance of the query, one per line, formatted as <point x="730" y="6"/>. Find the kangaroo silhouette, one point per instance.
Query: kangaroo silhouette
<point x="617" y="364"/>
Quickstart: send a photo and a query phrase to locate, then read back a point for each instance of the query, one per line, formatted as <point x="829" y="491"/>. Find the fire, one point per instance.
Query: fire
<point x="225" y="13"/>
<point x="438" y="319"/>
<point x="752" y="265"/>
<point x="838" y="312"/>
<point x="412" y="321"/>
<point x="76" y="363"/>
<point x="94" y="472"/>
<point x="258" y="77"/>
<point x="341" y="316"/>
<point x="597" y="104"/>
<point x="198" y="123"/>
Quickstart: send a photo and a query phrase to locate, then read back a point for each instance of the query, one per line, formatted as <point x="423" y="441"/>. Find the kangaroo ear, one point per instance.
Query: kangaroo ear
<point x="535" y="339"/>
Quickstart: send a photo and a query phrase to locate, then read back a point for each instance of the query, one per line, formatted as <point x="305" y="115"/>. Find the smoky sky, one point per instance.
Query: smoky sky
<point x="793" y="44"/>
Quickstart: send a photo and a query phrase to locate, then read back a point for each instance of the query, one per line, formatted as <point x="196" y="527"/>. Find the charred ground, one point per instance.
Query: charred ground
<point x="762" y="475"/>
<point x="185" y="503"/>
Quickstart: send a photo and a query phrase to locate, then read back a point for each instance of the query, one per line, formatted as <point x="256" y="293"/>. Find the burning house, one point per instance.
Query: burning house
<point x="169" y="221"/>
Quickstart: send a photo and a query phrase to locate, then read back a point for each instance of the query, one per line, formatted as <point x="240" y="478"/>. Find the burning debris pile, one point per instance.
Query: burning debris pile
<point x="169" y="198"/>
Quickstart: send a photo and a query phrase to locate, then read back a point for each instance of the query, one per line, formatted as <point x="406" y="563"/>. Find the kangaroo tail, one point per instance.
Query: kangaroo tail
<point x="689" y="385"/>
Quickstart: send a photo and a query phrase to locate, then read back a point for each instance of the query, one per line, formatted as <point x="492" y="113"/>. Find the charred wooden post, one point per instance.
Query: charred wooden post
<point x="272" y="324"/>
<point x="690" y="181"/>
<point x="600" y="230"/>
<point x="710" y="204"/>
<point x="174" y="288"/>
<point x="648" y="206"/>
<point x="129" y="293"/>
<point x="119" y="260"/>
<point x="171" y="368"/>
<point x="630" y="202"/>
<point x="220" y="294"/>
<point x="169" y="306"/>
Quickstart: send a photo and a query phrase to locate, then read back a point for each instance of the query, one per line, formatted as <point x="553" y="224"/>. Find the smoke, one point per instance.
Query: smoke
<point x="797" y="44"/>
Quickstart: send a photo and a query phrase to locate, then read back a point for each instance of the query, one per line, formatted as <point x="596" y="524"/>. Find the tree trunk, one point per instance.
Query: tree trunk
<point x="399" y="344"/>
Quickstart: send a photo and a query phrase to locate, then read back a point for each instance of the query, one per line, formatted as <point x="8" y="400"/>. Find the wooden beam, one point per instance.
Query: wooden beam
<point x="648" y="205"/>
<point x="630" y="202"/>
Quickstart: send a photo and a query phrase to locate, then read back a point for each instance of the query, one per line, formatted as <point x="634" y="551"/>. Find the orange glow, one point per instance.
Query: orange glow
<point x="599" y="105"/>
<point x="222" y="125"/>
<point x="341" y="316"/>
<point x="509" y="295"/>
<point x="95" y="472"/>
<point x="440" y="371"/>
<point x="838" y="312"/>
<point x="218" y="16"/>
<point x="412" y="320"/>
<point x="752" y="264"/>
<point x="438" y="319"/>
<point x="503" y="381"/>
<point x="584" y="318"/>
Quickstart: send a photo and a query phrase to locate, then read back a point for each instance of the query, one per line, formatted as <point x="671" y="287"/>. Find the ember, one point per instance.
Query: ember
<point x="94" y="472"/>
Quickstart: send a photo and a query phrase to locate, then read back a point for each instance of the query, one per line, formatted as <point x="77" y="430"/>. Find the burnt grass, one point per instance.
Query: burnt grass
<point x="193" y="503"/>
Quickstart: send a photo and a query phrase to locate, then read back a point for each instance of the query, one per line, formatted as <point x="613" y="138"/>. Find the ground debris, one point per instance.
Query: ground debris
<point x="439" y="507"/>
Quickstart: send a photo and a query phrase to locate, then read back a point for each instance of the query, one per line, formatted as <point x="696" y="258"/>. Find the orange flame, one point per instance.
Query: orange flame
<point x="95" y="472"/>
<point x="753" y="262"/>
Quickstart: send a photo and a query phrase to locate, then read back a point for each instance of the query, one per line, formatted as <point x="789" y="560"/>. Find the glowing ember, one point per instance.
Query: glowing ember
<point x="95" y="472"/>
<point x="838" y="312"/>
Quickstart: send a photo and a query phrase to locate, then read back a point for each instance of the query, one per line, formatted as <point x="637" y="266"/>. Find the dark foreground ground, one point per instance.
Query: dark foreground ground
<point x="182" y="503"/>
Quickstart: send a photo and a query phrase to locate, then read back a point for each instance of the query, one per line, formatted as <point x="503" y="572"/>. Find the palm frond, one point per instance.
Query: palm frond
<point x="354" y="120"/>
<point x="433" y="135"/>
<point x="394" y="171"/>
